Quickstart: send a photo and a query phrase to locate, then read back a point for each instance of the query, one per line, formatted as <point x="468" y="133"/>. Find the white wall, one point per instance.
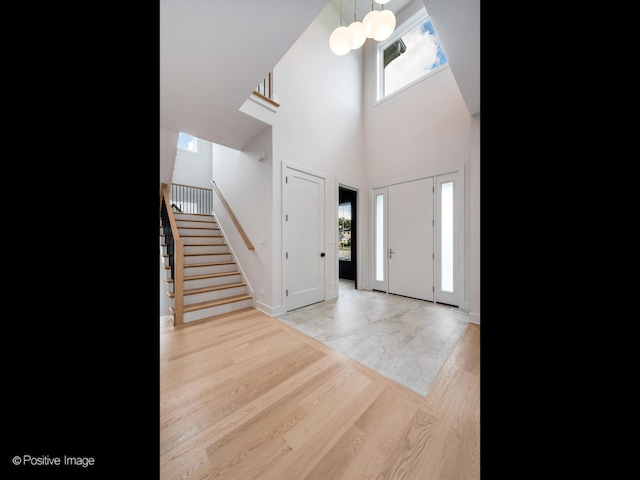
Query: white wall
<point x="168" y="149"/>
<point x="194" y="169"/>
<point x="328" y="123"/>
<point x="422" y="131"/>
<point x="318" y="128"/>
<point x="245" y="183"/>
<point x="474" y="228"/>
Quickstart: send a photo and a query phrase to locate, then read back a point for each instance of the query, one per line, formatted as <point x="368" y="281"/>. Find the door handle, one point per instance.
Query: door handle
<point x="391" y="252"/>
<point x="322" y="254"/>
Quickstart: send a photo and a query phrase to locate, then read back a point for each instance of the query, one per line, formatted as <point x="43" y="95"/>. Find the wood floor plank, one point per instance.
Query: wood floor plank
<point x="216" y="404"/>
<point x="308" y="454"/>
<point x="341" y="456"/>
<point x="407" y="460"/>
<point x="324" y="405"/>
<point x="248" y="397"/>
<point x="193" y="451"/>
<point x="262" y="438"/>
<point x="383" y="423"/>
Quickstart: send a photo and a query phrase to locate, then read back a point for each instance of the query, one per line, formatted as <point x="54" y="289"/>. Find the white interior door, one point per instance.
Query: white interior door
<point x="304" y="255"/>
<point x="411" y="233"/>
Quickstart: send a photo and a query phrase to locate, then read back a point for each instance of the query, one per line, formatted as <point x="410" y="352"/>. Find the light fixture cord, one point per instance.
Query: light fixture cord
<point x="355" y="9"/>
<point x="340" y="12"/>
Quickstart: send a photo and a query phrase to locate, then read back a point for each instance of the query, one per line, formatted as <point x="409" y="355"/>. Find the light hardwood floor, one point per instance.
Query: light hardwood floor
<point x="246" y="396"/>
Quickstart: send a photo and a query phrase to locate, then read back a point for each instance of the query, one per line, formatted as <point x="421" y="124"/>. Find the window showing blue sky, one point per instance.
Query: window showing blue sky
<point x="187" y="142"/>
<point x="421" y="54"/>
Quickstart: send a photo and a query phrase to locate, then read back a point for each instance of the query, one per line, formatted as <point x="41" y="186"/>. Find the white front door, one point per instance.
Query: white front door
<point x="303" y="239"/>
<point x="410" y="245"/>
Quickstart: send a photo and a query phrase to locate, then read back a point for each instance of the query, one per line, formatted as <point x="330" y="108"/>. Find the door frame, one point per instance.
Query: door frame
<point x="460" y="282"/>
<point x="285" y="168"/>
<point x="353" y="194"/>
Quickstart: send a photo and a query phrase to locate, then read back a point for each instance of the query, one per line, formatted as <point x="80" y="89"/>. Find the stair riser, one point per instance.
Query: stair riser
<point x="199" y="232"/>
<point x="220" y="257"/>
<point x="210" y="282"/>
<point x="196" y="250"/>
<point x="217" y="310"/>
<point x="196" y="259"/>
<point x="208" y="250"/>
<point x="203" y="241"/>
<point x="209" y="269"/>
<point x="185" y="225"/>
<point x="180" y="217"/>
<point x="167" y="273"/>
<point x="205" y="249"/>
<point x="211" y="240"/>
<point x="215" y="295"/>
<point x="204" y="222"/>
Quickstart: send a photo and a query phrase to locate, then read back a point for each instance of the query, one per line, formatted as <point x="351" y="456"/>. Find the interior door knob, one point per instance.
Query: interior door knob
<point x="322" y="254"/>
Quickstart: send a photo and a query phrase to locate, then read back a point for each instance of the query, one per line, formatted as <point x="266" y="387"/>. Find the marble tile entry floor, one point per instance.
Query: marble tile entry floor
<point x="405" y="339"/>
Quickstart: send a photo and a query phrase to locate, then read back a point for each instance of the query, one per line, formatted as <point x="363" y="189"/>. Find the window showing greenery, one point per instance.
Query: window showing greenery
<point x="344" y="231"/>
<point x="187" y="142"/>
<point x="413" y="52"/>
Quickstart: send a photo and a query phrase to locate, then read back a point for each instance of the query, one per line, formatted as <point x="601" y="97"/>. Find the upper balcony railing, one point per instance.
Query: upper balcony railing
<point x="189" y="199"/>
<point x="264" y="90"/>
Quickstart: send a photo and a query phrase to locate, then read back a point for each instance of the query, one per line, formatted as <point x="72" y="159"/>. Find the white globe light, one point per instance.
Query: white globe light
<point x="341" y="40"/>
<point x="382" y="2"/>
<point x="384" y="25"/>
<point x="368" y="21"/>
<point x="359" y="34"/>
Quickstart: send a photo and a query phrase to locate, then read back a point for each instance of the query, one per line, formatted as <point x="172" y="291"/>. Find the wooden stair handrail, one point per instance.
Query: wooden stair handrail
<point x="247" y="242"/>
<point x="178" y="270"/>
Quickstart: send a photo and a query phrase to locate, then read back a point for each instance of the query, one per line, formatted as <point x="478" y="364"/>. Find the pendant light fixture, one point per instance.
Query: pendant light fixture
<point x="383" y="25"/>
<point x="377" y="24"/>
<point x="369" y="20"/>
<point x="357" y="28"/>
<point x="341" y="39"/>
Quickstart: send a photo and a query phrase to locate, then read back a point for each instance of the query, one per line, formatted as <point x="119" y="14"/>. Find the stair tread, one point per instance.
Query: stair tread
<point x="205" y="244"/>
<point x="214" y="288"/>
<point x="206" y="275"/>
<point x="205" y="254"/>
<point x="211" y="226"/>
<point x="209" y="264"/>
<point x="213" y="303"/>
<point x="210" y="275"/>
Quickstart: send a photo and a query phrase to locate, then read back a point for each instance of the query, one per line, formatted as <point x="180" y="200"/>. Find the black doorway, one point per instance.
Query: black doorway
<point x="347" y="234"/>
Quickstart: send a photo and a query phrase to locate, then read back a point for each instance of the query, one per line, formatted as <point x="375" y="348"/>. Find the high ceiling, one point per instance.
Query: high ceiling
<point x="213" y="54"/>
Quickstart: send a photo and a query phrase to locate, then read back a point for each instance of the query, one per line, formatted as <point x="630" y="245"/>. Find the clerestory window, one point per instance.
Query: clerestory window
<point x="412" y="53"/>
<point x="187" y="142"/>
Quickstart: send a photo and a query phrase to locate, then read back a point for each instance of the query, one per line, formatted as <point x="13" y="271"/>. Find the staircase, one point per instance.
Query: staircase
<point x="213" y="283"/>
